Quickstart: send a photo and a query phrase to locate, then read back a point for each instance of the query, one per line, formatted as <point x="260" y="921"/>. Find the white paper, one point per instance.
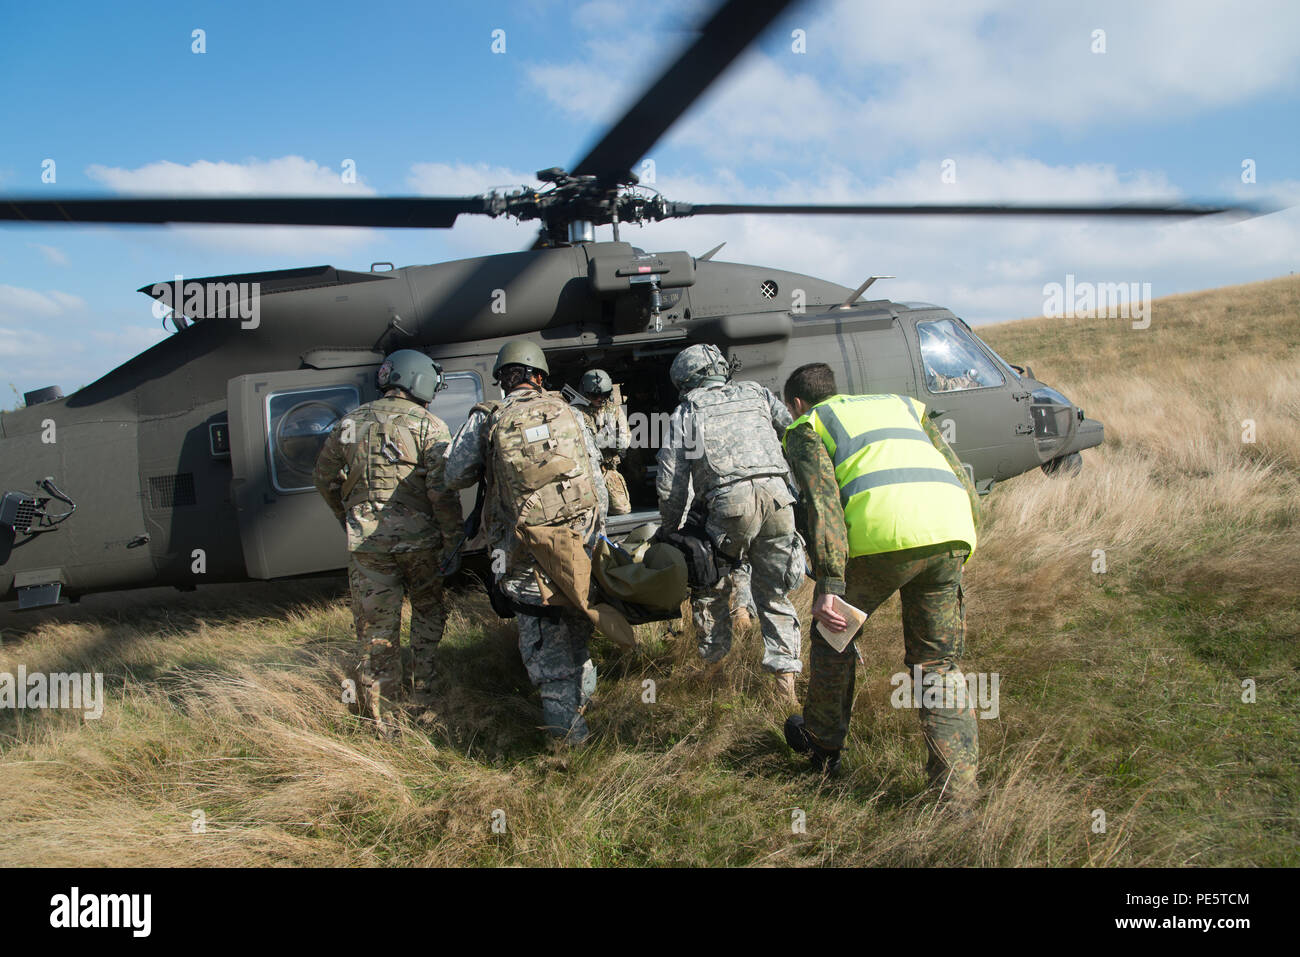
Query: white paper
<point x="839" y="640"/>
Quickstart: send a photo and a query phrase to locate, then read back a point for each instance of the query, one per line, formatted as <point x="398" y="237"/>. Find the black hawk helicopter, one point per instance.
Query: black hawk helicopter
<point x="191" y="463"/>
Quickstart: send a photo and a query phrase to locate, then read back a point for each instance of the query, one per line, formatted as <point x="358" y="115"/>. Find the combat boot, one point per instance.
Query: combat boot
<point x="822" y="760"/>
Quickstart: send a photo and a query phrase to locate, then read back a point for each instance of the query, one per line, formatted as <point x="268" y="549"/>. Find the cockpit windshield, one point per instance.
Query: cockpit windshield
<point x="952" y="360"/>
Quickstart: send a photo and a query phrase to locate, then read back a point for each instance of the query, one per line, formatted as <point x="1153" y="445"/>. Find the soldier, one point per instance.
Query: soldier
<point x="380" y="472"/>
<point x="888" y="507"/>
<point x="542" y="471"/>
<point x="724" y="447"/>
<point x="608" y="422"/>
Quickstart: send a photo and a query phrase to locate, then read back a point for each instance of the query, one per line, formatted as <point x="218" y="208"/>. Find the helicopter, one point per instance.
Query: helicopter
<point x="191" y="463"/>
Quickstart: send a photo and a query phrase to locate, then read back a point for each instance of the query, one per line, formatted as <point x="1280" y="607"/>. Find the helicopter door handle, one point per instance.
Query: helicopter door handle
<point x="1020" y="396"/>
<point x="935" y="413"/>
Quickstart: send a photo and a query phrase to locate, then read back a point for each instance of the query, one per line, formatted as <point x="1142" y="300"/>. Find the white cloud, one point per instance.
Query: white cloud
<point x="19" y="304"/>
<point x="27" y="319"/>
<point x="52" y="254"/>
<point x="464" y="179"/>
<point x="129" y="340"/>
<point x="474" y="235"/>
<point x="943" y="71"/>
<point x="53" y="337"/>
<point x="984" y="269"/>
<point x="283" y="176"/>
<point x="935" y="74"/>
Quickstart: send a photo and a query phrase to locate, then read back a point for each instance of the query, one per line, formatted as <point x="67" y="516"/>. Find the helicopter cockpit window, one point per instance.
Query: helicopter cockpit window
<point x="297" y="424"/>
<point x="452" y="404"/>
<point x="953" y="361"/>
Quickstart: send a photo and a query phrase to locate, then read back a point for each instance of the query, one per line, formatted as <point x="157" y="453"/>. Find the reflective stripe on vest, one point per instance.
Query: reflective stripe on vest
<point x="897" y="490"/>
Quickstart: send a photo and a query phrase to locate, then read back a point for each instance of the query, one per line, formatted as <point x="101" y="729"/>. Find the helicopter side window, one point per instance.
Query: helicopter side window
<point x="297" y="424"/>
<point x="952" y="361"/>
<point x="452" y="404"/>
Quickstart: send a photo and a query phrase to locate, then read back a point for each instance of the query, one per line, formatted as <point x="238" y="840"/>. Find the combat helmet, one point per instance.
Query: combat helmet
<point x="520" y="352"/>
<point x="596" y="383"/>
<point x="412" y="371"/>
<point x="695" y="365"/>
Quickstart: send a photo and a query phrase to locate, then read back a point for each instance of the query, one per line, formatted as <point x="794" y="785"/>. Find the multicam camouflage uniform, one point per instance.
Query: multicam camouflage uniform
<point x="613" y="439"/>
<point x="553" y="647"/>
<point x="380" y="472"/>
<point x="934" y="630"/>
<point x="723" y="445"/>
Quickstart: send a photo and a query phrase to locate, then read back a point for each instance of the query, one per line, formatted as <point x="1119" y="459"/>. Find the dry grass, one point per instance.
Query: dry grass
<point x="1121" y="691"/>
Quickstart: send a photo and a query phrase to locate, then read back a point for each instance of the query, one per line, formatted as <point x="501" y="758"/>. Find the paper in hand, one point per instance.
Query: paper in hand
<point x="839" y="640"/>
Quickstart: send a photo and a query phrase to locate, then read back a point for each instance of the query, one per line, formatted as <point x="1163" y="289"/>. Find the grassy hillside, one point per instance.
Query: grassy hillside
<point x="1121" y="691"/>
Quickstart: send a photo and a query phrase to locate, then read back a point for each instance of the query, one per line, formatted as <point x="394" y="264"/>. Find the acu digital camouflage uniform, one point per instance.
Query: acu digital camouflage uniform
<point x="553" y="647"/>
<point x="723" y="444"/>
<point x="380" y="472"/>
<point x="608" y="425"/>
<point x="934" y="629"/>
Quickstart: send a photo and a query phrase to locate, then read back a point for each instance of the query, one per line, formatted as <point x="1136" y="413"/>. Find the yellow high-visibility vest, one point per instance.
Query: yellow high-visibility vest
<point x="897" y="489"/>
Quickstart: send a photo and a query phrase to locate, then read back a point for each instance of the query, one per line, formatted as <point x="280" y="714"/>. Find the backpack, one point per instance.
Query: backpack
<point x="538" y="459"/>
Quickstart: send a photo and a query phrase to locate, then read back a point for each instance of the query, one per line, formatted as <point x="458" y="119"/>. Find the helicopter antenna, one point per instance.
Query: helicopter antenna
<point x="857" y="293"/>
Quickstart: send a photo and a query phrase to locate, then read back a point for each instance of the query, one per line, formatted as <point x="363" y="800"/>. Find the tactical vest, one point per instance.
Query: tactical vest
<point x="734" y="437"/>
<point x="537" y="458"/>
<point x="385" y="458"/>
<point x="898" y="491"/>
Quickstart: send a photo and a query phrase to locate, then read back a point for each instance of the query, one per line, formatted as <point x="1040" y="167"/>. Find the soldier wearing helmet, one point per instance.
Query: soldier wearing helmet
<point x="542" y="476"/>
<point x="724" y="448"/>
<point x="608" y="423"/>
<point x="380" y="472"/>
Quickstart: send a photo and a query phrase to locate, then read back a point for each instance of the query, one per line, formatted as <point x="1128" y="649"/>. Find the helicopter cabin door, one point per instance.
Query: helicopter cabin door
<point x="278" y="423"/>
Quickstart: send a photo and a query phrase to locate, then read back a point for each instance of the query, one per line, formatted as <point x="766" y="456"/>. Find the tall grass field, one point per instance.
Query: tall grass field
<point x="1143" y="617"/>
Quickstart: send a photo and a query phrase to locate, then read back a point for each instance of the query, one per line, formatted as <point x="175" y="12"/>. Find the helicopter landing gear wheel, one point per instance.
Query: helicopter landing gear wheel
<point x="1070" y="464"/>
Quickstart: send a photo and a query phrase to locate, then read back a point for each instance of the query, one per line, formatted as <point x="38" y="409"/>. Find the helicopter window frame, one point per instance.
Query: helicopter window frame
<point x="432" y="405"/>
<point x="271" y="424"/>
<point x="962" y="334"/>
<point x="1016" y="374"/>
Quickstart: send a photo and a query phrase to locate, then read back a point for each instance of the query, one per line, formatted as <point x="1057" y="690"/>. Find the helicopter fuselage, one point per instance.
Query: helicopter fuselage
<point x="190" y="463"/>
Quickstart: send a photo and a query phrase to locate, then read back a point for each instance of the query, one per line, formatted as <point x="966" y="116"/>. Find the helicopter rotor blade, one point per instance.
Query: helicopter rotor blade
<point x="425" y="212"/>
<point x="1130" y="210"/>
<point x="731" y="29"/>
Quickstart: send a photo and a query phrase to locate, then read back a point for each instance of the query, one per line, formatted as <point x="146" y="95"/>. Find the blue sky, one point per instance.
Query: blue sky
<point x="1010" y="90"/>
